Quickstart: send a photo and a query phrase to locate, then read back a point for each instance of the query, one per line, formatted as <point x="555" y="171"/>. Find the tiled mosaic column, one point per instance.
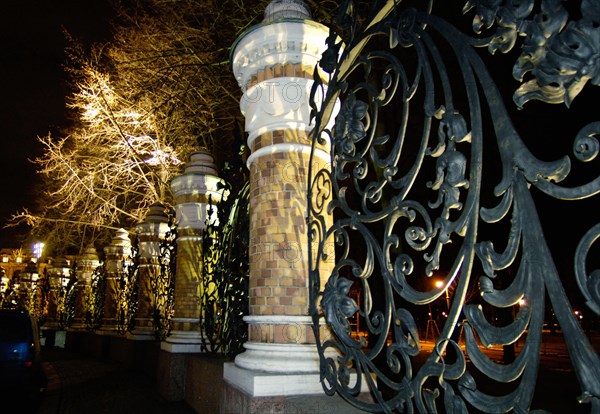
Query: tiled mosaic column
<point x="192" y="191"/>
<point x="150" y="234"/>
<point x="86" y="264"/>
<point x="116" y="254"/>
<point x="59" y="275"/>
<point x="274" y="65"/>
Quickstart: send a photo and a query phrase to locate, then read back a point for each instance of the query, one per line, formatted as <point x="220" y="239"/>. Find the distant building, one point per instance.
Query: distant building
<point x="15" y="261"/>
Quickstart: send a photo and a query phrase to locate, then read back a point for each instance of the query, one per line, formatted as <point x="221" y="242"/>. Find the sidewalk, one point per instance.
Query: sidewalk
<point x="79" y="384"/>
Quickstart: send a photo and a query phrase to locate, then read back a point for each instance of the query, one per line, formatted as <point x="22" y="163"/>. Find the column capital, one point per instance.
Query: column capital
<point x="279" y="42"/>
<point x="199" y="180"/>
<point x="120" y="244"/>
<point x="193" y="190"/>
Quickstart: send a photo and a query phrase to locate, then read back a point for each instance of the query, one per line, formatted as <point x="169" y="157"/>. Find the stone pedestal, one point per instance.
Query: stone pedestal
<point x="117" y="254"/>
<point x="86" y="264"/>
<point x="194" y="191"/>
<point x="59" y="275"/>
<point x="152" y="287"/>
<point x="273" y="63"/>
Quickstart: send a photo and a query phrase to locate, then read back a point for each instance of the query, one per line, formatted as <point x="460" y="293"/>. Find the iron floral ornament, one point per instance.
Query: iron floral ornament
<point x="562" y="56"/>
<point x="431" y="181"/>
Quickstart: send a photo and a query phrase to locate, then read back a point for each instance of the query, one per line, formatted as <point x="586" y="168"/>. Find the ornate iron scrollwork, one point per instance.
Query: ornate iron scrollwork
<point x="432" y="195"/>
<point x="66" y="301"/>
<point x="38" y="299"/>
<point x="126" y="291"/>
<point x="94" y="298"/>
<point x="225" y="270"/>
<point x="162" y="283"/>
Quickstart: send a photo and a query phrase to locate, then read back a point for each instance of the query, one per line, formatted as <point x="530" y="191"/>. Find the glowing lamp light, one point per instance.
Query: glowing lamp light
<point x="3" y="284"/>
<point x="38" y="249"/>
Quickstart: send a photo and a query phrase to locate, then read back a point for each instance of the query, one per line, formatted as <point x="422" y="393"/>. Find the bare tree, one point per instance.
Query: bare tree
<point x="141" y="104"/>
<point x="108" y="169"/>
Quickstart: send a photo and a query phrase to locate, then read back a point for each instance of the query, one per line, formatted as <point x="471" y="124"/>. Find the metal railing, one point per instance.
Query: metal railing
<point x="439" y="202"/>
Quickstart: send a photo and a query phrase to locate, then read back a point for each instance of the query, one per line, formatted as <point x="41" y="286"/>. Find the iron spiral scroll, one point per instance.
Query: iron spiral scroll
<point x="430" y="178"/>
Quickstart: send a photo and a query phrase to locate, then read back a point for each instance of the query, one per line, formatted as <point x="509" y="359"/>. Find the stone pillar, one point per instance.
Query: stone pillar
<point x="86" y="264"/>
<point x="150" y="233"/>
<point x="116" y="255"/>
<point x="273" y="63"/>
<point x="192" y="191"/>
<point x="51" y="321"/>
<point x="57" y="274"/>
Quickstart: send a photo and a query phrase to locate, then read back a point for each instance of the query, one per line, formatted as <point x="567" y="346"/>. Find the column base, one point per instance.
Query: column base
<point x="78" y="325"/>
<point x="183" y="342"/>
<point x="278" y="370"/>
<point x="268" y="384"/>
<point x="250" y="392"/>
<point x="107" y="330"/>
<point x="141" y="333"/>
<point x="283" y="358"/>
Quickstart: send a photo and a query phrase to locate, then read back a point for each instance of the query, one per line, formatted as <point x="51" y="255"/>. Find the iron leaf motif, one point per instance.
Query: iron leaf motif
<point x="561" y="56"/>
<point x="337" y="306"/>
<point x="349" y="128"/>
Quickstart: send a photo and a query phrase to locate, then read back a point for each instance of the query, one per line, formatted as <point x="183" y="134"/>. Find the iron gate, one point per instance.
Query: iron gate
<point x="436" y="178"/>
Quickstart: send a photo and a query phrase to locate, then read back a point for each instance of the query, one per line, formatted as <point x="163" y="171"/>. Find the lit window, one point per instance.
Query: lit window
<point x="19" y="260"/>
<point x="4" y="259"/>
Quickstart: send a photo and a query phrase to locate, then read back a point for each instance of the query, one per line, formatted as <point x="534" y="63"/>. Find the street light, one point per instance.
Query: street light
<point x="439" y="284"/>
<point x="38" y="249"/>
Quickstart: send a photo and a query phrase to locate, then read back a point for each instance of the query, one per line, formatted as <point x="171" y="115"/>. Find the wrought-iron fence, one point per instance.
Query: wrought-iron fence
<point x="94" y="298"/>
<point x="126" y="290"/>
<point x="224" y="287"/>
<point x="162" y="283"/>
<point x="38" y="302"/>
<point x="433" y="182"/>
<point x="66" y="301"/>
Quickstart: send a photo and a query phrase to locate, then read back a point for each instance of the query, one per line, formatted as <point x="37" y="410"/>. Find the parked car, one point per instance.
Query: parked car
<point x="20" y="354"/>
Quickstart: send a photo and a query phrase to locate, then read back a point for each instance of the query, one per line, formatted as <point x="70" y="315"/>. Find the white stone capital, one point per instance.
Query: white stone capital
<point x="191" y="184"/>
<point x="193" y="215"/>
<point x="278" y="104"/>
<point x="282" y="42"/>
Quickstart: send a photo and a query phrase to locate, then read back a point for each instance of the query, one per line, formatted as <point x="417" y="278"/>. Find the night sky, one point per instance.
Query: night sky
<point x="32" y="85"/>
<point x="32" y="104"/>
